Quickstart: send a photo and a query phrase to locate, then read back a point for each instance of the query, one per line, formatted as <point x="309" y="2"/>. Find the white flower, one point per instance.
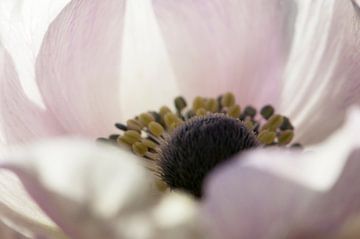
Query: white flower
<point x="102" y="61"/>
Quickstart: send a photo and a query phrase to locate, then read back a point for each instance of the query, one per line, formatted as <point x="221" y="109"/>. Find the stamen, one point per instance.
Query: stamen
<point x="180" y="103"/>
<point x="146" y="119"/>
<point x="286" y="124"/>
<point x="134" y="125"/>
<point x="249" y="111"/>
<point x="121" y="126"/>
<point x="285" y="137"/>
<point x="182" y="146"/>
<point x="234" y="111"/>
<point x="267" y="111"/>
<point x="130" y="137"/>
<point x="228" y="100"/>
<point x="156" y="129"/>
<point x="198" y="103"/>
<point x="149" y="143"/>
<point x="266" y="137"/>
<point x="201" y="112"/>
<point x="273" y="123"/>
<point x="140" y="149"/>
<point x="212" y="105"/>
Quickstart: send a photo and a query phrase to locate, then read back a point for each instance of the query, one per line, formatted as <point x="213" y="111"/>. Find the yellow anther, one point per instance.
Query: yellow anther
<point x="273" y="123"/>
<point x="174" y="125"/>
<point x="212" y="105"/>
<point x="248" y="123"/>
<point x="164" y="110"/>
<point x="149" y="143"/>
<point x="228" y="100"/>
<point x="134" y="125"/>
<point x="201" y="112"/>
<point x="285" y="137"/>
<point x="139" y="149"/>
<point x="266" y="137"/>
<point x="161" y="185"/>
<point x="156" y="128"/>
<point x="198" y="103"/>
<point x="146" y="118"/>
<point x="234" y="111"/>
<point x="180" y="103"/>
<point x="130" y="137"/>
<point x="170" y="118"/>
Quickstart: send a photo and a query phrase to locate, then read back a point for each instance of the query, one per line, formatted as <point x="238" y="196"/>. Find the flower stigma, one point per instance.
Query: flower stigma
<point x="181" y="147"/>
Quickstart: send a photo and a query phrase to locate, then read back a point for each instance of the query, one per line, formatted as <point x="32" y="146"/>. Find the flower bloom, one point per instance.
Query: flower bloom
<point x="103" y="61"/>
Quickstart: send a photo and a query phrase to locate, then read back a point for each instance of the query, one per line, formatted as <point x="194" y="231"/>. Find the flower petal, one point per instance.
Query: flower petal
<point x="20" y="211"/>
<point x="243" y="202"/>
<point x="271" y="193"/>
<point x="22" y="27"/>
<point x="84" y="188"/>
<point x="332" y="210"/>
<point x="97" y="191"/>
<point x="147" y="78"/>
<point x="220" y="46"/>
<point x="21" y="120"/>
<point x="322" y="77"/>
<point x="8" y="233"/>
<point x="78" y="66"/>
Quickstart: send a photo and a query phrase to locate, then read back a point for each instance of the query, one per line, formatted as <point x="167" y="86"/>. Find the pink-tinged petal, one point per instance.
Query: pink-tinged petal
<point x="18" y="209"/>
<point x="21" y="120"/>
<point x="217" y="46"/>
<point x="97" y="191"/>
<point x="322" y="76"/>
<point x="331" y="211"/>
<point x="83" y="187"/>
<point x="7" y="232"/>
<point x="22" y="27"/>
<point x="272" y="193"/>
<point x="78" y="66"/>
<point x="243" y="202"/>
<point x="147" y="78"/>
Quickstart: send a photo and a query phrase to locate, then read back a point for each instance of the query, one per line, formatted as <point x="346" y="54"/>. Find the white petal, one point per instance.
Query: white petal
<point x="219" y="45"/>
<point x="21" y="120"/>
<point x="322" y="75"/>
<point x="7" y="232"/>
<point x="83" y="187"/>
<point x="273" y="193"/>
<point x="147" y="77"/>
<point x="78" y="66"/>
<point x="319" y="167"/>
<point x="244" y="202"/>
<point x="23" y="24"/>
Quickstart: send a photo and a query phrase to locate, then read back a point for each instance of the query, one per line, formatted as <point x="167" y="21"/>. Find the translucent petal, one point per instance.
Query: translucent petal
<point x="21" y="120"/>
<point x="322" y="76"/>
<point x="218" y="46"/>
<point x="78" y="66"/>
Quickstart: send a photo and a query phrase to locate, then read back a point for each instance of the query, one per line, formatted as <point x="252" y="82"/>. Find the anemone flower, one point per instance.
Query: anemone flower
<point x="105" y="61"/>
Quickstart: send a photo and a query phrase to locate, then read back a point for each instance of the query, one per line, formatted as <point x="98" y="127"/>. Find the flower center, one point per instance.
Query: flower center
<point x="182" y="147"/>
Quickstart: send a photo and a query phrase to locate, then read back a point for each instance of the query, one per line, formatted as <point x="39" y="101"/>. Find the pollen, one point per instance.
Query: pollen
<point x="182" y="146"/>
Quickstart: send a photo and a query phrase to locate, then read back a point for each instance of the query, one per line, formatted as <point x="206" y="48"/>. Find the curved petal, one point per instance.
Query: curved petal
<point x="217" y="46"/>
<point x="268" y="194"/>
<point x="20" y="211"/>
<point x="23" y="24"/>
<point x="243" y="202"/>
<point x="322" y="76"/>
<point x="97" y="191"/>
<point x="8" y="233"/>
<point x="78" y="66"/>
<point x="331" y="211"/>
<point x="83" y="187"/>
<point x="21" y="120"/>
<point x="147" y="78"/>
